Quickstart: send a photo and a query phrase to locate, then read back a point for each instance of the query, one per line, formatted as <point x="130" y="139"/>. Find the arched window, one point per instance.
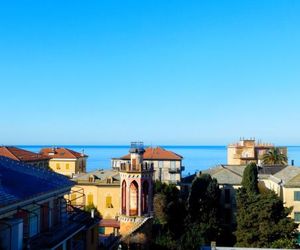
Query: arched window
<point x="133" y="200"/>
<point x="124" y="197"/>
<point x="145" y="196"/>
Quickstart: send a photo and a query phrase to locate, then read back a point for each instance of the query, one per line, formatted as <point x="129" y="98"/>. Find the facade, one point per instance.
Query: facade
<point x="25" y="156"/>
<point x="123" y="197"/>
<point x="136" y="188"/>
<point x="286" y="183"/>
<point x="229" y="179"/>
<point x="167" y="164"/>
<point x="34" y="213"/>
<point x="65" y="161"/>
<point x="101" y="189"/>
<point x="248" y="150"/>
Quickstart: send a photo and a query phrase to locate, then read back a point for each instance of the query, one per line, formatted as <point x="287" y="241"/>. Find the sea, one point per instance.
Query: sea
<point x="195" y="158"/>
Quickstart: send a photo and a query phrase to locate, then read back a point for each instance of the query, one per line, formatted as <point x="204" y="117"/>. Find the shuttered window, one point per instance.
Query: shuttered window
<point x="108" y="202"/>
<point x="90" y="199"/>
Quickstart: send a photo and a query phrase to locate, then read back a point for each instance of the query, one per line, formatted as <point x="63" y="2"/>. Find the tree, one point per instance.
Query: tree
<point x="159" y="205"/>
<point x="169" y="215"/>
<point x="203" y="212"/>
<point x="250" y="179"/>
<point x="262" y="220"/>
<point x="274" y="157"/>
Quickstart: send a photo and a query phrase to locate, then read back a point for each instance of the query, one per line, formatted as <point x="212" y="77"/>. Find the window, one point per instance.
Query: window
<point x="90" y="199"/>
<point x="296" y="195"/>
<point x="173" y="165"/>
<point x="57" y="166"/>
<point x="297" y="216"/>
<point x="227" y="196"/>
<point x="160" y="164"/>
<point x="67" y="166"/>
<point x="173" y="177"/>
<point x="109" y="202"/>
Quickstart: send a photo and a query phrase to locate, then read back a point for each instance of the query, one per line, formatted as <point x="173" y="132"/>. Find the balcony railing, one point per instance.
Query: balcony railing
<point x="74" y="223"/>
<point x="174" y="170"/>
<point x="128" y="167"/>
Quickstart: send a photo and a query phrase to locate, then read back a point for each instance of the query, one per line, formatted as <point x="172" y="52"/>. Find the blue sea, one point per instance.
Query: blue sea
<point x="195" y="157"/>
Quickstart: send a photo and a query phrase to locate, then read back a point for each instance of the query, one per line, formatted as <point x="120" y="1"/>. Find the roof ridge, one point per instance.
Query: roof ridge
<point x="230" y="170"/>
<point x="7" y="149"/>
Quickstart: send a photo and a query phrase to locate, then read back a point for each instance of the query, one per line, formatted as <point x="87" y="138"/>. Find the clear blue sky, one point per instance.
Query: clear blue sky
<point x="165" y="72"/>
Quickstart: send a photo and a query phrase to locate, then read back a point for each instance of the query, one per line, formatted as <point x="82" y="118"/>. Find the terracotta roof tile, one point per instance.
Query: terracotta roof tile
<point x="55" y="153"/>
<point x="19" y="154"/>
<point x="157" y="153"/>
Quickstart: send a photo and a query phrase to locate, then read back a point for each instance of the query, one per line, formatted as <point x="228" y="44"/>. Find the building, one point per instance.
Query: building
<point x="101" y="189"/>
<point x="229" y="179"/>
<point x="286" y="183"/>
<point x="123" y="197"/>
<point x="167" y="164"/>
<point x="34" y="213"/>
<point x="25" y="156"/>
<point x="248" y="150"/>
<point x="65" y="161"/>
<point x="136" y="189"/>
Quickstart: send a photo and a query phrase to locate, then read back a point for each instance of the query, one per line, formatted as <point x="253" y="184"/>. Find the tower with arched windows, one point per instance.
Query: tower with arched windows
<point x="136" y="186"/>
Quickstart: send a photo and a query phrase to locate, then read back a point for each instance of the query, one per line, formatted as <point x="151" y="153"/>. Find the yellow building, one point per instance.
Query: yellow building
<point x="101" y="189"/>
<point x="248" y="150"/>
<point x="286" y="183"/>
<point x="123" y="198"/>
<point x="65" y="161"/>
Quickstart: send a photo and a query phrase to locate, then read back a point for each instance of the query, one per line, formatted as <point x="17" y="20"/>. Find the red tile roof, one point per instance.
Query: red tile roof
<point x="19" y="154"/>
<point x="55" y="153"/>
<point x="157" y="153"/>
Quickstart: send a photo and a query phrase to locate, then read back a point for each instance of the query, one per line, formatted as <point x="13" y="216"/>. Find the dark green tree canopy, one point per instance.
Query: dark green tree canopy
<point x="262" y="219"/>
<point x="250" y="179"/>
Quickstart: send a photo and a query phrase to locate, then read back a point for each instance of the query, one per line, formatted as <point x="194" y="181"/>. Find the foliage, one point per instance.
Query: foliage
<point x="262" y="220"/>
<point x="193" y="237"/>
<point x="250" y="180"/>
<point x="274" y="157"/>
<point x="88" y="208"/>
<point x="159" y="205"/>
<point x="203" y="212"/>
<point x="170" y="213"/>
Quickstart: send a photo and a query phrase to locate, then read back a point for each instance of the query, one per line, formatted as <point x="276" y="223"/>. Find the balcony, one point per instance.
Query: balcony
<point x="128" y="167"/>
<point x="76" y="221"/>
<point x="174" y="170"/>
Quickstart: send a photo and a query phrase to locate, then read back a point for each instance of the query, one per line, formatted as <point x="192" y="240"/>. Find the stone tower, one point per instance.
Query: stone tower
<point x="136" y="188"/>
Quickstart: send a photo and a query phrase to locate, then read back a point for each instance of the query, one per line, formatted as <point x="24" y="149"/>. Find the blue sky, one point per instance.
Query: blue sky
<point x="165" y="72"/>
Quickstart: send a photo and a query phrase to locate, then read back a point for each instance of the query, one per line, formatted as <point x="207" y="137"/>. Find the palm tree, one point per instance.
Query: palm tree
<point x="274" y="157"/>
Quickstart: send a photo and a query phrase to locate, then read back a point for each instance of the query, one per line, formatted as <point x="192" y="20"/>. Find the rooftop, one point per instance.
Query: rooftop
<point x="19" y="181"/>
<point x="58" y="153"/>
<point x="100" y="177"/>
<point x="157" y="153"/>
<point x="19" y="154"/>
